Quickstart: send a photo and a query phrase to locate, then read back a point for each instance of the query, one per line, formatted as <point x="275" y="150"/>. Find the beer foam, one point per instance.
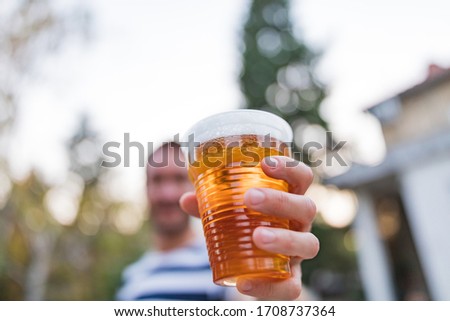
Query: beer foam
<point x="240" y="122"/>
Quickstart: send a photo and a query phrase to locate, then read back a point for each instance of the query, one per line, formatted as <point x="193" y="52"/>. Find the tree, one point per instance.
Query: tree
<point x="277" y="73"/>
<point x="94" y="246"/>
<point x="68" y="241"/>
<point x="29" y="30"/>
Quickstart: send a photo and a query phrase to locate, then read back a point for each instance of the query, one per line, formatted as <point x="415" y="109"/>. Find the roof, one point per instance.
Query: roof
<point x="408" y="154"/>
<point x="436" y="76"/>
<point x="396" y="161"/>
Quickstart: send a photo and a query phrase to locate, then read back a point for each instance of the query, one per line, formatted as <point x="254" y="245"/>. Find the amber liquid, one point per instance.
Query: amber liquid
<point x="223" y="170"/>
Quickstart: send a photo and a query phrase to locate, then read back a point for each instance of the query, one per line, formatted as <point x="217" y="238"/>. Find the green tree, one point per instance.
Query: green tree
<point x="69" y="241"/>
<point x="95" y="245"/>
<point x="277" y="73"/>
<point x="29" y="30"/>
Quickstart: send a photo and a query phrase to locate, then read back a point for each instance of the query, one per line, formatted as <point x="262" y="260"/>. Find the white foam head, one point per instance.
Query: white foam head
<point x="240" y="122"/>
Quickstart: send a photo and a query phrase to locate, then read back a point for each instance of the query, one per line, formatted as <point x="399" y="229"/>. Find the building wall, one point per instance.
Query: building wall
<point x="426" y="192"/>
<point x="422" y="114"/>
<point x="372" y="257"/>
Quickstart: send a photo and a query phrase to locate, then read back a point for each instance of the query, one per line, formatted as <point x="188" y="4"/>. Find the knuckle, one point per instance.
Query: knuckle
<point x="291" y="243"/>
<point x="291" y="290"/>
<point x="311" y="209"/>
<point x="280" y="199"/>
<point x="315" y="245"/>
<point x="296" y="289"/>
<point x="290" y="162"/>
<point x="309" y="174"/>
<point x="267" y="290"/>
<point x="301" y="177"/>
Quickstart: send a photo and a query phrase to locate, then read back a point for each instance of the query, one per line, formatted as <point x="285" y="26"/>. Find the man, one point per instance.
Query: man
<point x="178" y="269"/>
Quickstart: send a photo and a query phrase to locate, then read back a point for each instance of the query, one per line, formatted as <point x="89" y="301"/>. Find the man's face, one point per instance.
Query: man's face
<point x="166" y="183"/>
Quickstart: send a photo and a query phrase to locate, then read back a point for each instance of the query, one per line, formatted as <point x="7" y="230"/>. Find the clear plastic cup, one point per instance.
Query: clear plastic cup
<point x="224" y="154"/>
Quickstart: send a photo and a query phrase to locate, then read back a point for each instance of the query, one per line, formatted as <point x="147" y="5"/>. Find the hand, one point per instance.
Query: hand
<point x="297" y="242"/>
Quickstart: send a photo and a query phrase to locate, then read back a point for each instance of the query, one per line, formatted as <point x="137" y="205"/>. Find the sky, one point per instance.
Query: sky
<point x="153" y="68"/>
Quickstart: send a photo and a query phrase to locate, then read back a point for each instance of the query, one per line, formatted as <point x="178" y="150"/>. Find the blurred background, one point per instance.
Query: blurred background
<point x="77" y="74"/>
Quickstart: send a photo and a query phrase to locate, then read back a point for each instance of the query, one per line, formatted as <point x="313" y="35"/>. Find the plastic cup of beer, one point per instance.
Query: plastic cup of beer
<point x="224" y="154"/>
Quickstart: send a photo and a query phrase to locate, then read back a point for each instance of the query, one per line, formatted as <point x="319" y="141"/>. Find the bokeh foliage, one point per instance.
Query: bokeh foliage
<point x="277" y="73"/>
<point x="65" y="241"/>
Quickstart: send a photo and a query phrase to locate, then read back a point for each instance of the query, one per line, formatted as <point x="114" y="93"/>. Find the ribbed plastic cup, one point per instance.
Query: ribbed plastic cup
<point x="224" y="154"/>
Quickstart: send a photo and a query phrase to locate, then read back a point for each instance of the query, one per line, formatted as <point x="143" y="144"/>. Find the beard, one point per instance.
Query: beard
<point x="168" y="220"/>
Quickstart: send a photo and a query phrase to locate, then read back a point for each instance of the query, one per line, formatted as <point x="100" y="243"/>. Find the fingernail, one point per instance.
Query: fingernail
<point x="246" y="285"/>
<point x="272" y="162"/>
<point x="267" y="236"/>
<point x="256" y="196"/>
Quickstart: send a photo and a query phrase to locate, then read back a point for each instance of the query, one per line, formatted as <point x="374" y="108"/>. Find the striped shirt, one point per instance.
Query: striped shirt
<point x="180" y="274"/>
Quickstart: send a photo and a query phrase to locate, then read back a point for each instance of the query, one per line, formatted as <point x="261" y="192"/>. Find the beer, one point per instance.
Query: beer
<point x="223" y="169"/>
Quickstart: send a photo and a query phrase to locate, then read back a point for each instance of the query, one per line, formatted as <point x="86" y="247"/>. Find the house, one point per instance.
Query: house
<point x="402" y="226"/>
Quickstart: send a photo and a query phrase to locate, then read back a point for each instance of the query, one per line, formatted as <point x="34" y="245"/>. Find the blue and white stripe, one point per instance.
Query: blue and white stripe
<point x="181" y="274"/>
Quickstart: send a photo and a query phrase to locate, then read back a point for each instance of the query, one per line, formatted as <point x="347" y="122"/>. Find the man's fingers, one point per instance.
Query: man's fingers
<point x="298" y="175"/>
<point x="189" y="204"/>
<point x="288" y="289"/>
<point x="299" y="209"/>
<point x="276" y="240"/>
